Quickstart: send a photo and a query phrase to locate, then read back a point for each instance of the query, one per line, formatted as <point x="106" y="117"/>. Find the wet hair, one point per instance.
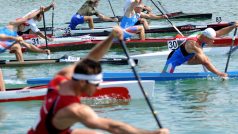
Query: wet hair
<point x="88" y="66"/>
<point x="91" y="2"/>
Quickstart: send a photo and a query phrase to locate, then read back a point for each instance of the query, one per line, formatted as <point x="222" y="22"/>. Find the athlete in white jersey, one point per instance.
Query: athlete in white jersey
<point x="10" y="40"/>
<point x="30" y="25"/>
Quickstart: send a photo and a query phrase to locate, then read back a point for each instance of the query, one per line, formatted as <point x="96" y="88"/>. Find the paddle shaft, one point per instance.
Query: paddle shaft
<point x="46" y="41"/>
<point x="167" y="18"/>
<point x="233" y="49"/>
<point x="52" y="23"/>
<point x="112" y="10"/>
<point x="229" y="55"/>
<point x="132" y="64"/>
<point x="163" y="7"/>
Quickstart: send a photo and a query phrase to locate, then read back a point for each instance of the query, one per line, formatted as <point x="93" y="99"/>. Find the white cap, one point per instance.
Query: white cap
<point x="210" y="33"/>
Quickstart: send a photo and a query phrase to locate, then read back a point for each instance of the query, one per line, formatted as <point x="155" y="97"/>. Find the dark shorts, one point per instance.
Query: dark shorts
<point x="21" y="33"/>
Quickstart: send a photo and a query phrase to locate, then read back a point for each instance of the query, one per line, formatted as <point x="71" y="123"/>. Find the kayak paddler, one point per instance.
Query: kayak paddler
<point x="30" y="24"/>
<point x="133" y="16"/>
<point x="85" y="13"/>
<point x="129" y="20"/>
<point x="61" y="108"/>
<point x="191" y="51"/>
<point x="10" y="40"/>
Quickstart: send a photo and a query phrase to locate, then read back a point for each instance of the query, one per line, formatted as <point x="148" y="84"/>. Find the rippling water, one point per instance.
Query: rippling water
<point x="190" y="106"/>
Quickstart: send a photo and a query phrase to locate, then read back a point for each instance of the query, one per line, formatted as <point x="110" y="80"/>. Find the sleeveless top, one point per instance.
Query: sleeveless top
<point x="180" y="55"/>
<point x="6" y="44"/>
<point x="128" y="22"/>
<point x="182" y="47"/>
<point x="53" y="103"/>
<point x="8" y="32"/>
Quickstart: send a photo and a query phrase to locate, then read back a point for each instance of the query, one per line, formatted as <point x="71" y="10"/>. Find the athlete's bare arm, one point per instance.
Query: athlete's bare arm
<point x="101" y="49"/>
<point x="201" y="58"/>
<point x="5" y="37"/>
<point x="96" y="53"/>
<point x="151" y="16"/>
<point x="148" y="9"/>
<point x="105" y="18"/>
<point x="40" y="34"/>
<point x="226" y="30"/>
<point x="130" y="10"/>
<point x="24" y="19"/>
<point x="84" y="114"/>
<point x="52" y="5"/>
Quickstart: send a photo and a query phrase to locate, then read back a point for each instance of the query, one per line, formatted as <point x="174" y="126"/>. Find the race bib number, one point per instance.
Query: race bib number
<point x="172" y="44"/>
<point x="35" y="41"/>
<point x="67" y="31"/>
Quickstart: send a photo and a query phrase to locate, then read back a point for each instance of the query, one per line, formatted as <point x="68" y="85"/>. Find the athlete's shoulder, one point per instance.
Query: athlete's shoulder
<point x="191" y="41"/>
<point x="57" y="80"/>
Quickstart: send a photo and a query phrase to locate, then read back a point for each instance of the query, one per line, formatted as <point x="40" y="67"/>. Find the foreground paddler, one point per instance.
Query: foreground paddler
<point x="62" y="109"/>
<point x="85" y="13"/>
<point x="30" y="26"/>
<point x="191" y="51"/>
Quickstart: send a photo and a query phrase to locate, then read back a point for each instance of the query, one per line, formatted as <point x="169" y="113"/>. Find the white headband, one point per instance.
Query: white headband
<point x="93" y="77"/>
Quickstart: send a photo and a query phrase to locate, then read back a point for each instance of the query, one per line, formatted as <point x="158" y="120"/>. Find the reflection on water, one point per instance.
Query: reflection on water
<point x="2" y="115"/>
<point x="19" y="73"/>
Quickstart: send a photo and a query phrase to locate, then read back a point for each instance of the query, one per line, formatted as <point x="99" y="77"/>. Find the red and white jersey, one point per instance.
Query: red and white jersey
<point x="31" y="24"/>
<point x="52" y="104"/>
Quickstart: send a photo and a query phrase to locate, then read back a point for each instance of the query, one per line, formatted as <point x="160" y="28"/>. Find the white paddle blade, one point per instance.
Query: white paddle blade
<point x="224" y="78"/>
<point x="48" y="56"/>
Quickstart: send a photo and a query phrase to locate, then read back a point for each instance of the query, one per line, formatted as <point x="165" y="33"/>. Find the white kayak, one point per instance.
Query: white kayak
<point x="61" y="40"/>
<point x="210" y="51"/>
<point x="116" y="90"/>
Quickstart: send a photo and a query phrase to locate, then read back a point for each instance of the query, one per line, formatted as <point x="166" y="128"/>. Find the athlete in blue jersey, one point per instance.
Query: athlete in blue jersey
<point x="129" y="20"/>
<point x="191" y="51"/>
<point x="133" y="15"/>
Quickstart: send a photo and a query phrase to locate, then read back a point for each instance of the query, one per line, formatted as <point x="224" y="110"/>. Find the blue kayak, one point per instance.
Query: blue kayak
<point x="125" y="76"/>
